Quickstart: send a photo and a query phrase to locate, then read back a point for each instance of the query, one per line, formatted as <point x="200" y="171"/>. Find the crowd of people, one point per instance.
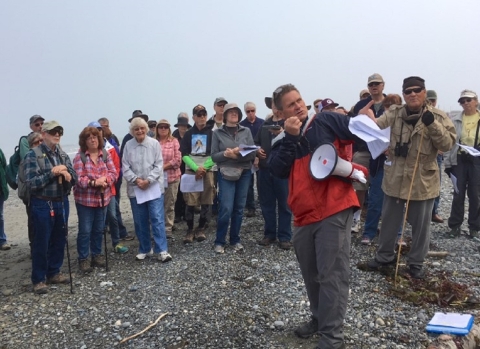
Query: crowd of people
<point x="211" y="168"/>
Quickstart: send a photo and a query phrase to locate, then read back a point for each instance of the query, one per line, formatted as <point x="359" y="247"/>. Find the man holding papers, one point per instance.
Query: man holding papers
<point x="464" y="165"/>
<point x="418" y="132"/>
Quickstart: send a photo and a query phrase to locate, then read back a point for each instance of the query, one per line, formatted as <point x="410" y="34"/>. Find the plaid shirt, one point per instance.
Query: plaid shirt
<point x="43" y="182"/>
<point x="171" y="154"/>
<point x="83" y="193"/>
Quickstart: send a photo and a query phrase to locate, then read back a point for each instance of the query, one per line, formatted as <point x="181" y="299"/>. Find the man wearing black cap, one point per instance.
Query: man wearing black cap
<point x="182" y="126"/>
<point x="418" y="132"/>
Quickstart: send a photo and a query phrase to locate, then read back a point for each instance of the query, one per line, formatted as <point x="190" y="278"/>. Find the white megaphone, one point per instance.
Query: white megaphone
<point x="325" y="162"/>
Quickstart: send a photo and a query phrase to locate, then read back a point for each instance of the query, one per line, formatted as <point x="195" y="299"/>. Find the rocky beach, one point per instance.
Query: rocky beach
<point x="253" y="299"/>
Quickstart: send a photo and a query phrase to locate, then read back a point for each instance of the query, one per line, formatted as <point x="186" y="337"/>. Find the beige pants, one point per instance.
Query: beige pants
<point x="206" y="196"/>
<point x="169" y="199"/>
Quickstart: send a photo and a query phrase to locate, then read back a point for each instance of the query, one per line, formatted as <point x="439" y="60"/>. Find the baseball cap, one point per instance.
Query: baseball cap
<point x="34" y="119"/>
<point x="50" y="125"/>
<point x="327" y="101"/>
<point x="151" y="123"/>
<point x="363" y="92"/>
<point x="431" y="94"/>
<point x="220" y="99"/>
<point x="198" y="108"/>
<point x="467" y="94"/>
<point x="375" y="78"/>
<point x="268" y="102"/>
<point x="94" y="124"/>
<point x="138" y="114"/>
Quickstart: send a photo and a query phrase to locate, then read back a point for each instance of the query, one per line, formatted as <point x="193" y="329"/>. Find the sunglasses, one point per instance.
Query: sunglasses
<point x="318" y="106"/>
<point x="374" y="84"/>
<point x="38" y="141"/>
<point x="221" y="104"/>
<point x="417" y="90"/>
<point x="55" y="131"/>
<point x="163" y="127"/>
<point x="201" y="114"/>
<point x="38" y="124"/>
<point x="465" y="100"/>
<point x="251" y="111"/>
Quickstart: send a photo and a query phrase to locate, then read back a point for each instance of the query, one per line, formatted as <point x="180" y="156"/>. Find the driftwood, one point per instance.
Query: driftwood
<point x="144" y="330"/>
<point x="438" y="254"/>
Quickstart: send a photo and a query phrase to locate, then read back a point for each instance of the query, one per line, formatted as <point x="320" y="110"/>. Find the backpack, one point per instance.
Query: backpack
<point x="23" y="188"/>
<point x="11" y="171"/>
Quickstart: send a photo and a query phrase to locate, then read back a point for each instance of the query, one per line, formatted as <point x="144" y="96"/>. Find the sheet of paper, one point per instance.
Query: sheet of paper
<point x="454" y="182"/>
<point x="188" y="184"/>
<point x="365" y="128"/>
<point x="450" y="319"/>
<point x="151" y="193"/>
<point x="471" y="150"/>
<point x="247" y="149"/>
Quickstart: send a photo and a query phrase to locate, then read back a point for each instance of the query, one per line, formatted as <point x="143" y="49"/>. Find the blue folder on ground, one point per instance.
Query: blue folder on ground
<point x="451" y="323"/>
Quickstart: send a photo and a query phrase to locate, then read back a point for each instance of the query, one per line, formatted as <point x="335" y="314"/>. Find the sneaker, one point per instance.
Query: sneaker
<point x="307" y="329"/>
<point x="5" y="247"/>
<point x="142" y="256"/>
<point x="454" y="233"/>
<point x="366" y="241"/>
<point x="250" y="212"/>
<point x="374" y="264"/>
<point x="219" y="249"/>
<point x="98" y="261"/>
<point x="238" y="247"/>
<point x="40" y="288"/>
<point x="473" y="234"/>
<point x="58" y="279"/>
<point x="200" y="234"/>
<point x="266" y="241"/>
<point x="164" y="257"/>
<point x="188" y="239"/>
<point x="356" y="226"/>
<point x="128" y="237"/>
<point x="285" y="245"/>
<point x="84" y="266"/>
<point x="416" y="271"/>
<point x="120" y="249"/>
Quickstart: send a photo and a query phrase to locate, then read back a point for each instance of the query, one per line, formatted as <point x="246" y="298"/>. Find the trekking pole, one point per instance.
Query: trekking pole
<point x="102" y="197"/>
<point x="65" y="227"/>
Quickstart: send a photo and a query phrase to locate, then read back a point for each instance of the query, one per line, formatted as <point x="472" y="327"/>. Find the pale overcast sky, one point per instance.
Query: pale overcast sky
<point x="76" y="61"/>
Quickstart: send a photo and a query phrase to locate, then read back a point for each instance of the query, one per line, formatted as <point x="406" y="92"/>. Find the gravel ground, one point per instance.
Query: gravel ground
<point x="237" y="300"/>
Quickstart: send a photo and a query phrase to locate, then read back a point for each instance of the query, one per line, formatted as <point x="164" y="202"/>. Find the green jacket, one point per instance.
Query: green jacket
<point x="3" y="178"/>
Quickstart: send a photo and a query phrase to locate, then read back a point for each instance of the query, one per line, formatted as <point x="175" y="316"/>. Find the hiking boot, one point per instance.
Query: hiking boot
<point x="374" y="264"/>
<point x="473" y="234"/>
<point x="128" y="237"/>
<point x="120" y="249"/>
<point x="188" y="239"/>
<point x="40" y="288"/>
<point x="84" y="266"/>
<point x="58" y="279"/>
<point x="416" y="271"/>
<point x="307" y="329"/>
<point x="5" y="247"/>
<point x="164" y="257"/>
<point x="285" y="245"/>
<point x="200" y="234"/>
<point x="454" y="233"/>
<point x="356" y="226"/>
<point x="266" y="241"/>
<point x="436" y="218"/>
<point x="238" y="247"/>
<point x="250" y="212"/>
<point x="219" y="249"/>
<point x="98" y="261"/>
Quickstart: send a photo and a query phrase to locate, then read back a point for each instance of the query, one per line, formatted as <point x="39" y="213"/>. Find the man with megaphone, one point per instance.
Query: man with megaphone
<point x="322" y="206"/>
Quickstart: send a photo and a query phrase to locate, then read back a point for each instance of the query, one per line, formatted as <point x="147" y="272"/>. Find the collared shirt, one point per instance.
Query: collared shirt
<point x="171" y="154"/>
<point x="43" y="182"/>
<point x="85" y="194"/>
<point x="142" y="160"/>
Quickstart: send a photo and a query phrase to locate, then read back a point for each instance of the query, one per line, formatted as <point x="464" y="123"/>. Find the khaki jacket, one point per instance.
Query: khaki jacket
<point x="440" y="135"/>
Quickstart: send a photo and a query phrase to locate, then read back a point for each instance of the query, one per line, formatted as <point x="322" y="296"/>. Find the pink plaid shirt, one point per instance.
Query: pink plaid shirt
<point x="171" y="154"/>
<point x="83" y="193"/>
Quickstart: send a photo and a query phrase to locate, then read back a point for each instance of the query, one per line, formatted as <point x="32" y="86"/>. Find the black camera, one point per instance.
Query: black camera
<point x="401" y="149"/>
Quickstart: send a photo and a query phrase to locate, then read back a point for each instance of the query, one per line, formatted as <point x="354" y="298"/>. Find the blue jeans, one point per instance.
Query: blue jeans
<point x="273" y="192"/>
<point x="91" y="223"/>
<point x="150" y="212"/>
<point x="436" y="202"/>
<point x="50" y="237"/>
<point x="3" y="237"/>
<point x="121" y="227"/>
<point x="113" y="221"/>
<point x="375" y="203"/>
<point x="232" y="199"/>
<point x="250" y="204"/>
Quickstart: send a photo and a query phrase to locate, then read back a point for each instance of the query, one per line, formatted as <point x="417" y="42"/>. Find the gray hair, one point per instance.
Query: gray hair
<point x="103" y="120"/>
<point x="182" y="115"/>
<point x="137" y="122"/>
<point x="32" y="137"/>
<point x="249" y="104"/>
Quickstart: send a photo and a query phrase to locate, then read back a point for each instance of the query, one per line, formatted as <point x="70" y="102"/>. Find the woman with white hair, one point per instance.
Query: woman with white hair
<point x="142" y="165"/>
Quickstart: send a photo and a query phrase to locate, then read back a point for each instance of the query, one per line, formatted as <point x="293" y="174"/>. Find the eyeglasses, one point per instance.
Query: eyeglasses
<point x="250" y="111"/>
<point x="374" y="84"/>
<point x="55" y="131"/>
<point x="417" y="90"/>
<point x="136" y="129"/>
<point x="38" y="124"/>
<point x="201" y="114"/>
<point x="465" y="100"/>
<point x="163" y="127"/>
